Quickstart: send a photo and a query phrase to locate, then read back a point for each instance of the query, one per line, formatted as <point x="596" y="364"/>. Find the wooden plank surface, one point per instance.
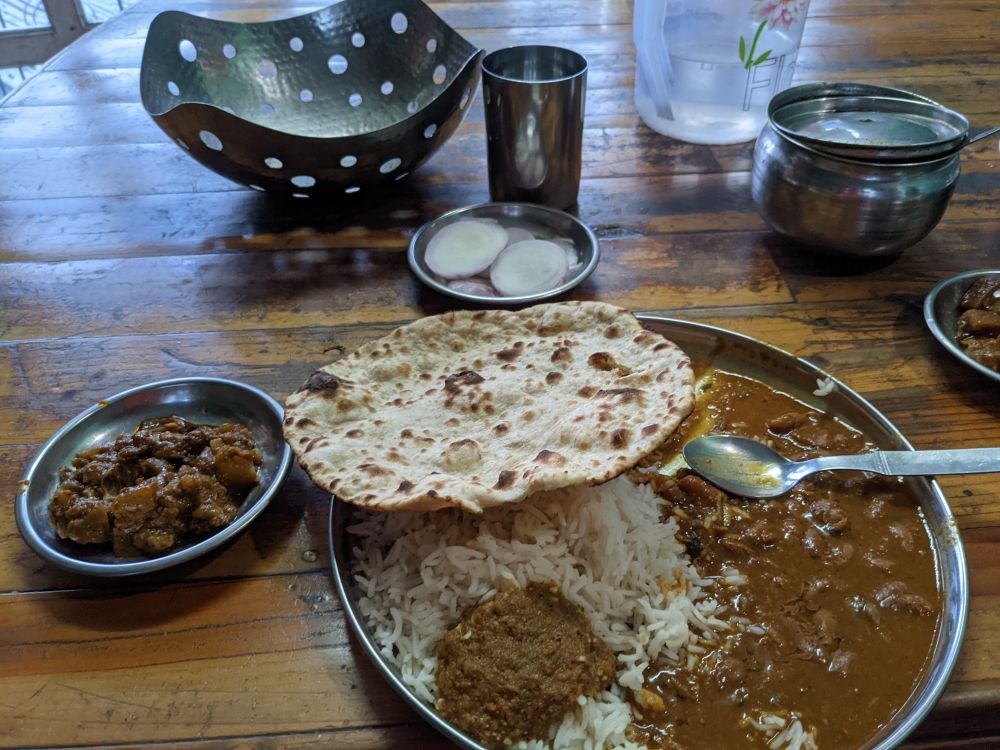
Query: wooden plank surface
<point x="123" y="261"/>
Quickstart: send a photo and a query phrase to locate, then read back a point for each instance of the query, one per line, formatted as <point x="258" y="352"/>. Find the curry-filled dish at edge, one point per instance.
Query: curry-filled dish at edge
<point x="167" y="481"/>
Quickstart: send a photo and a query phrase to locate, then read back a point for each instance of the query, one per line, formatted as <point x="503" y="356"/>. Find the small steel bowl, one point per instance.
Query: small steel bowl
<point x="941" y="314"/>
<point x="202" y="400"/>
<point x="840" y="206"/>
<point x="338" y="100"/>
<point x="550" y="222"/>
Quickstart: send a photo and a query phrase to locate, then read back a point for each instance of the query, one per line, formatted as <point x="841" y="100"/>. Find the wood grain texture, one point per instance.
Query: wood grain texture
<point x="123" y="261"/>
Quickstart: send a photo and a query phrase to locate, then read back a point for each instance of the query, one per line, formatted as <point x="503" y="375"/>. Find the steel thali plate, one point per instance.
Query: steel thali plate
<point x="735" y="353"/>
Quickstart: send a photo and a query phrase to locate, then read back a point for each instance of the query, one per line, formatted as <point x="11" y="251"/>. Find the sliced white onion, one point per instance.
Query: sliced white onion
<point x="464" y="248"/>
<point x="529" y="267"/>
<point x="472" y="286"/>
<point x="517" y="234"/>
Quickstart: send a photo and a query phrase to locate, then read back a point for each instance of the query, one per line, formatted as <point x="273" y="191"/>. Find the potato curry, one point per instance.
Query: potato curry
<point x="153" y="488"/>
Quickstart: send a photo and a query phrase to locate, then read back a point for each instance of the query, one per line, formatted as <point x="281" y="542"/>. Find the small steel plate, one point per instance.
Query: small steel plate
<point x="733" y="352"/>
<point x="202" y="400"/>
<point x="941" y="314"/>
<point x="548" y="222"/>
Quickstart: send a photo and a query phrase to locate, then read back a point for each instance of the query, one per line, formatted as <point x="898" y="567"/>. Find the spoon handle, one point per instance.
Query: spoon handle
<point x="916" y="463"/>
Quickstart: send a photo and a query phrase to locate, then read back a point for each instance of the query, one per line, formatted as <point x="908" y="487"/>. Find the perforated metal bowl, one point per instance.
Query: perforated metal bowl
<point x="337" y="100"/>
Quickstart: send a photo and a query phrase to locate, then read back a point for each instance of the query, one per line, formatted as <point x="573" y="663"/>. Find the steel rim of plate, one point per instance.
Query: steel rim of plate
<point x="945" y="338"/>
<point x="929" y="690"/>
<point x="457" y="213"/>
<point x="108" y="570"/>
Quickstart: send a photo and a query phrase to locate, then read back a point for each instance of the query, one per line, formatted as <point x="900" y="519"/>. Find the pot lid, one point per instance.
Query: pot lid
<point x="871" y="123"/>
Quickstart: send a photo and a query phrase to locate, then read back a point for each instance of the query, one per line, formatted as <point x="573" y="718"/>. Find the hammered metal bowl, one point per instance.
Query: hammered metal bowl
<point x="337" y="100"/>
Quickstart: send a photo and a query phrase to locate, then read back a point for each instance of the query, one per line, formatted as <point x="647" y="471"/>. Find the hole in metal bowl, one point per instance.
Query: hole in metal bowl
<point x="257" y="188"/>
<point x="266" y="108"/>
<point x="187" y="50"/>
<point x="430" y="130"/>
<point x="386" y="87"/>
<point x="299" y="195"/>
<point x="306" y="95"/>
<point x="401" y="176"/>
<point x="348" y="161"/>
<point x="432" y="45"/>
<point x="358" y="39"/>
<point x="296" y="44"/>
<point x="211" y="140"/>
<point x="228" y="51"/>
<point x="274" y="162"/>
<point x="390" y="165"/>
<point x="173" y="88"/>
<point x="440" y="74"/>
<point x="399" y="23"/>
<point x="352" y="189"/>
<point x="267" y="69"/>
<point x="337" y="64"/>
<point x="230" y="110"/>
<point x="411" y="106"/>
<point x="354" y="99"/>
<point x="303" y="181"/>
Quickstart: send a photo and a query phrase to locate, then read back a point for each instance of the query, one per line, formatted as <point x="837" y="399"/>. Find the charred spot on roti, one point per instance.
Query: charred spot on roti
<point x="425" y="376"/>
<point x="586" y="391"/>
<point x="288" y="420"/>
<point x="405" y="486"/>
<point x="528" y="416"/>
<point x="306" y="422"/>
<point x="324" y="384"/>
<point x="650" y="429"/>
<point x="453" y="422"/>
<point x="345" y="405"/>
<point x="355" y="433"/>
<point x="612" y="332"/>
<point x="397" y="402"/>
<point x="604" y="416"/>
<point x="620" y="438"/>
<point x="502" y="428"/>
<point x="511" y="353"/>
<point x="625" y="395"/>
<point x="405" y="434"/>
<point x="553" y="377"/>
<point x="562" y="354"/>
<point x="550" y="458"/>
<point x="505" y="480"/>
<point x="374" y="470"/>
<point x="454" y="382"/>
<point x="661" y="346"/>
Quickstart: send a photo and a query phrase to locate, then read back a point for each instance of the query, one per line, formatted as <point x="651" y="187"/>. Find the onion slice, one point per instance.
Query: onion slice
<point x="517" y="234"/>
<point x="529" y="267"/>
<point x="472" y="286"/>
<point x="464" y="248"/>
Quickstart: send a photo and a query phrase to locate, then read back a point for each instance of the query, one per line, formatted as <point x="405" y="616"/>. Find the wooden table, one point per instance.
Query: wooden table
<point x="123" y="261"/>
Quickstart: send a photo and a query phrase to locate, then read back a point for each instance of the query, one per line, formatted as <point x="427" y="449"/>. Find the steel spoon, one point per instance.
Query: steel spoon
<point x="751" y="469"/>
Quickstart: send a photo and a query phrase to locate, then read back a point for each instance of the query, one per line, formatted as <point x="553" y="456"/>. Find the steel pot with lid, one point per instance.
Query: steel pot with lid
<point x="854" y="169"/>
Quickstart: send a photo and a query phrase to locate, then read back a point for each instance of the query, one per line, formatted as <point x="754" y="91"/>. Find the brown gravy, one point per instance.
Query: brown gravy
<point x="841" y="588"/>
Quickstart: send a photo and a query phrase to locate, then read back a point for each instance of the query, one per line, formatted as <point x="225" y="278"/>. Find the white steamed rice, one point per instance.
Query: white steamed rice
<point x="606" y="547"/>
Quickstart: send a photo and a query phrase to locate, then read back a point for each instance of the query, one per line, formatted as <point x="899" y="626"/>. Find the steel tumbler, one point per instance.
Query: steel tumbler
<point x="534" y="98"/>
